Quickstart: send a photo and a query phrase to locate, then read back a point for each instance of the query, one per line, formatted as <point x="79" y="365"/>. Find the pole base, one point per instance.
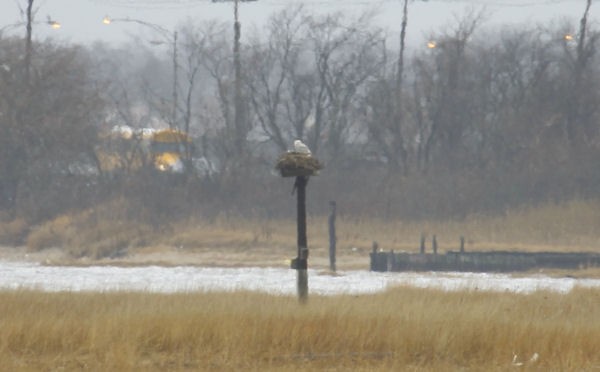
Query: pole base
<point x="299" y="264"/>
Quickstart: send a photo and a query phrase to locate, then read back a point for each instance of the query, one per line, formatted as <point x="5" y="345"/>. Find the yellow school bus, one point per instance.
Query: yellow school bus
<point x="169" y="148"/>
<point x="125" y="150"/>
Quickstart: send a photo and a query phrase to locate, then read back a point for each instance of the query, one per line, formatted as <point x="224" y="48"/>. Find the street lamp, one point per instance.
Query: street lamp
<point x="168" y="36"/>
<point x="52" y="23"/>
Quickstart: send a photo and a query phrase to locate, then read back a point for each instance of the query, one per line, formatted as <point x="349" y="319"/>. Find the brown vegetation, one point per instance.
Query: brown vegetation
<point x="106" y="232"/>
<point x="402" y="329"/>
<point x="13" y="232"/>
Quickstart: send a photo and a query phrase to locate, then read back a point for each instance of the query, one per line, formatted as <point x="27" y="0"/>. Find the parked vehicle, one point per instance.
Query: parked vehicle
<point x="124" y="150"/>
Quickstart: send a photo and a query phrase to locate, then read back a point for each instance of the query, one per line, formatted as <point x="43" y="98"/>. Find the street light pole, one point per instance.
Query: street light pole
<point x="172" y="37"/>
<point x="237" y="67"/>
<point x="28" y="47"/>
<point x="175" y="83"/>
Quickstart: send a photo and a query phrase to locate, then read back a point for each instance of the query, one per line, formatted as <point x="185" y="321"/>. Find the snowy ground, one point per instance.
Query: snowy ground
<point x="16" y="275"/>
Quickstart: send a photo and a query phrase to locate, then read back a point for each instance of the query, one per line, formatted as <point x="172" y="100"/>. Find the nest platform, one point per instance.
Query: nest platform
<point x="294" y="164"/>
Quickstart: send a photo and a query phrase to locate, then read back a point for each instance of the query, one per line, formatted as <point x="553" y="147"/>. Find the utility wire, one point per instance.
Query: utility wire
<point x="182" y="3"/>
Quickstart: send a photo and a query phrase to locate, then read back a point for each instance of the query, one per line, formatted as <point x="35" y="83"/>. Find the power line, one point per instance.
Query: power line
<point x="183" y="3"/>
<point x="154" y="4"/>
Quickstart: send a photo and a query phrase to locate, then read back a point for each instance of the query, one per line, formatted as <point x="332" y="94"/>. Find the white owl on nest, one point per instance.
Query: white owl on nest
<point x="300" y="147"/>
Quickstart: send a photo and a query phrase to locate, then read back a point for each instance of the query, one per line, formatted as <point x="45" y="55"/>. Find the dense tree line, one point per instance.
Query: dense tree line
<point x="482" y="120"/>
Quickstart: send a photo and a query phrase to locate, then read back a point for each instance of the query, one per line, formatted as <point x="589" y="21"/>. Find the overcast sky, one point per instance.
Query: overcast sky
<point x="81" y="20"/>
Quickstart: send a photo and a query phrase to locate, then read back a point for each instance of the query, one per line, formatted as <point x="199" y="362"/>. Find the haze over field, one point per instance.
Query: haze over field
<point x="123" y="139"/>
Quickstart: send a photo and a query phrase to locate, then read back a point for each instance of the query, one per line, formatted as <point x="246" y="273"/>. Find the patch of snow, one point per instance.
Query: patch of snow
<point x="27" y="275"/>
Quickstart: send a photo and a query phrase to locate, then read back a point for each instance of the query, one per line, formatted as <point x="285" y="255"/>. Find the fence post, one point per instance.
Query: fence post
<point x="462" y="244"/>
<point x="332" y="237"/>
<point x="374" y="258"/>
<point x="434" y="245"/>
<point x="422" y="248"/>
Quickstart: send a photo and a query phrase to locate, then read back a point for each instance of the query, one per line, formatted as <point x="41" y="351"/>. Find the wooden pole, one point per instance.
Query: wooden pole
<point x="302" y="260"/>
<point x="332" y="238"/>
<point x="28" y="43"/>
<point x="174" y="93"/>
<point x="237" y="65"/>
<point x="374" y="258"/>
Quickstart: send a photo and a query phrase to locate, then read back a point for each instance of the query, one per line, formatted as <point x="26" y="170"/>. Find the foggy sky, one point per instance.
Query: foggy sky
<point x="81" y="20"/>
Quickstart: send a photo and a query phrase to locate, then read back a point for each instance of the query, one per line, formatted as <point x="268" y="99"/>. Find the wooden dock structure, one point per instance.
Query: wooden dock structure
<point x="480" y="261"/>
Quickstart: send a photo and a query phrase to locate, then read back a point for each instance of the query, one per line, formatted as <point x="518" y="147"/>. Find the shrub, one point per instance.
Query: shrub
<point x="107" y="238"/>
<point x="13" y="232"/>
<point x="53" y="233"/>
<point x="95" y="233"/>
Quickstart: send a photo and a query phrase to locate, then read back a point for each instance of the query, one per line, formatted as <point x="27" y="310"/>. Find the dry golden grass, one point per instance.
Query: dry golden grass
<point x="562" y="227"/>
<point x="402" y="329"/>
<point x="556" y="227"/>
<point x="565" y="227"/>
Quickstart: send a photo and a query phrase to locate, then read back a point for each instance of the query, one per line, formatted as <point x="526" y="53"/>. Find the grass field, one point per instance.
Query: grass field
<point x="402" y="329"/>
<point x="566" y="226"/>
<point x="226" y="241"/>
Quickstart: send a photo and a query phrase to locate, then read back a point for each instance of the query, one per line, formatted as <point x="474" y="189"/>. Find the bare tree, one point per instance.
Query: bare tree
<point x="577" y="120"/>
<point x="213" y="53"/>
<point x="47" y="123"/>
<point x="444" y="98"/>
<point x="277" y="89"/>
<point x="309" y="78"/>
<point x="347" y="57"/>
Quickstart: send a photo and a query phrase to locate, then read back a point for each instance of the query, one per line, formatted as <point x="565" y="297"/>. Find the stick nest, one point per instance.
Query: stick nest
<point x="293" y="164"/>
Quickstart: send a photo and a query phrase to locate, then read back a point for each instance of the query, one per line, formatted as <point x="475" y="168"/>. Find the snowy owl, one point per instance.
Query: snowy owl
<point x="300" y="147"/>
